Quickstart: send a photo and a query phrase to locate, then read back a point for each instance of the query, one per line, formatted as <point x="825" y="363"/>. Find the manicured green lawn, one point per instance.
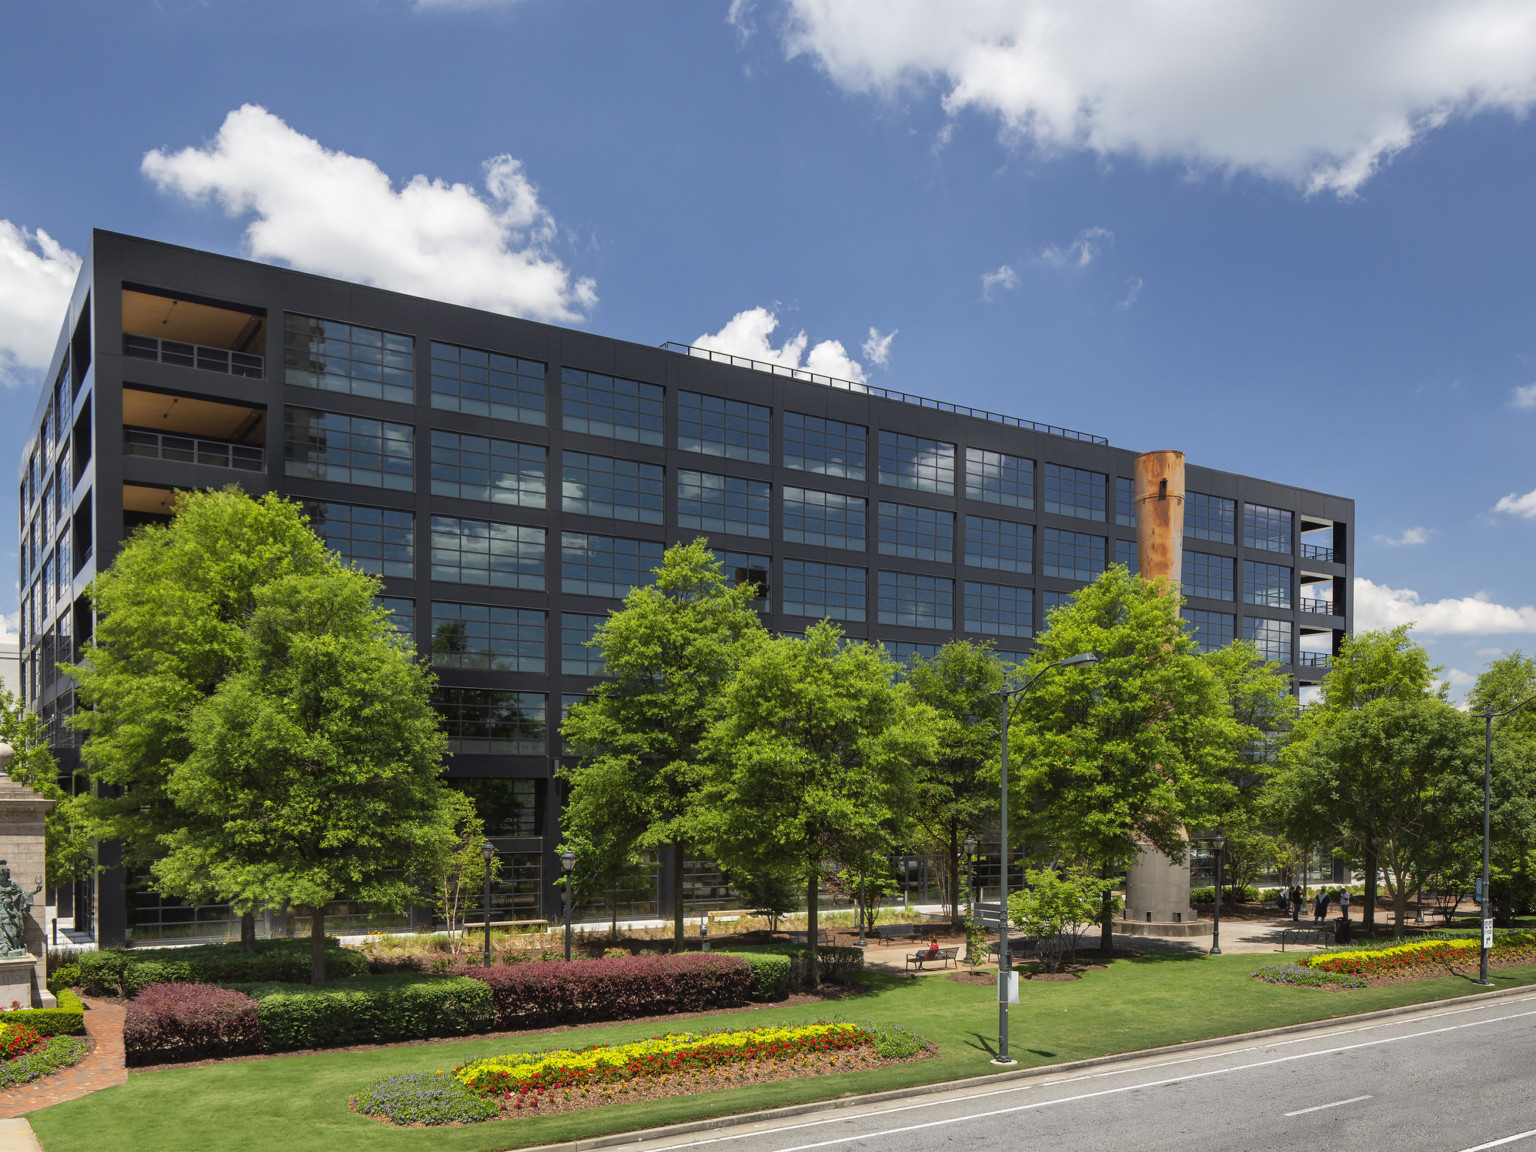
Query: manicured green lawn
<point x="299" y="1103"/>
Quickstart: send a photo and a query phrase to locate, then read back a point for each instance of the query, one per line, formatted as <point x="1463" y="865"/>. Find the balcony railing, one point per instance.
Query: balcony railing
<point x="1317" y="607"/>
<point x="1316" y="552"/>
<point x="1314" y="659"/>
<point x="192" y="356"/>
<point x="193" y="450"/>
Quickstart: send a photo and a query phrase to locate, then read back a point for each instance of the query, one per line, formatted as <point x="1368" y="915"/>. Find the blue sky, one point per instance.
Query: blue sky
<point x="1293" y="240"/>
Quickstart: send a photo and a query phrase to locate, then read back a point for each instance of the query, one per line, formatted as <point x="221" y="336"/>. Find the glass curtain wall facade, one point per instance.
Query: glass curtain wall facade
<point x="511" y="481"/>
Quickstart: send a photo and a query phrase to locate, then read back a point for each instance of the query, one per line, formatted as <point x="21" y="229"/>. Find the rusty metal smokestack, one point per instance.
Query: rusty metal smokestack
<point x="1160" y="515"/>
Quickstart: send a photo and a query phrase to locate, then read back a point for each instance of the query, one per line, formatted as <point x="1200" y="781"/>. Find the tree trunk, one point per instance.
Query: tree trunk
<point x="317" y="946"/>
<point x="247" y="931"/>
<point x="813" y="977"/>
<point x="1369" y="920"/>
<point x="677" y="896"/>
<point x="1107" y="923"/>
<point x="954" y="875"/>
<point x="1400" y="910"/>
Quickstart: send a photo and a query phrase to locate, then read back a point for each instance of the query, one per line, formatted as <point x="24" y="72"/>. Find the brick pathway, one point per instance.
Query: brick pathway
<point x="102" y="1067"/>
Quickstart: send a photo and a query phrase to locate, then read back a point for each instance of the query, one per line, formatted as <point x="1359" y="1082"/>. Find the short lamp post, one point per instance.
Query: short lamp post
<point x="487" y="853"/>
<point x="969" y="847"/>
<point x="1218" y="842"/>
<point x="1487" y="934"/>
<point x="567" y="865"/>
<point x="1010" y="694"/>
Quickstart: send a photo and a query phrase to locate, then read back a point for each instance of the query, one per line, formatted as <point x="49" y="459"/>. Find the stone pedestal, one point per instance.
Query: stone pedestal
<point x="19" y="983"/>
<point x="21" y="848"/>
<point x="1157" y="898"/>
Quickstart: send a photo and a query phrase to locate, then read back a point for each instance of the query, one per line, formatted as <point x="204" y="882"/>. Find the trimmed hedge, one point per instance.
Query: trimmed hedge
<point x="169" y="1023"/>
<point x="580" y="991"/>
<point x="835" y="964"/>
<point x="123" y="971"/>
<point x="1245" y="895"/>
<point x="771" y="973"/>
<point x="68" y="1019"/>
<point x="370" y="1010"/>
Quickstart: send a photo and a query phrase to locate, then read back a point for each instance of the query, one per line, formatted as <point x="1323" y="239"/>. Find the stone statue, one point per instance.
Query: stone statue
<point x="15" y="906"/>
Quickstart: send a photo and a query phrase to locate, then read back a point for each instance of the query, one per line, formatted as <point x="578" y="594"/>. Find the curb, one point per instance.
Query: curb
<point x="790" y="1111"/>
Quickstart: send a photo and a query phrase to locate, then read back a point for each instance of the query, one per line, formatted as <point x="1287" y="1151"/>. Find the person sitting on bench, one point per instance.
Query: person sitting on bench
<point x="931" y="954"/>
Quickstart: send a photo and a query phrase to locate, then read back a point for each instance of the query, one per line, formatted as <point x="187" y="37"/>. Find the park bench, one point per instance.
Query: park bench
<point x="1317" y="937"/>
<point x="897" y="931"/>
<point x="945" y="958"/>
<point x="823" y="937"/>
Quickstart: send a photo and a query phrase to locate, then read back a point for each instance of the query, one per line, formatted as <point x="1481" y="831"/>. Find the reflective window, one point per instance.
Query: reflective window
<point x="744" y="568"/>
<point x="592" y="565"/>
<point x="1267" y="584"/>
<point x="1210" y="518"/>
<point x="480" y="468"/>
<point x="1125" y="502"/>
<point x="998" y="610"/>
<point x="487" y="636"/>
<point x="1071" y="555"/>
<point x="916" y="601"/>
<point x="489" y="722"/>
<point x="905" y="653"/>
<point x="348" y="358"/>
<point x="487" y="384"/>
<point x="1207" y="575"/>
<point x="917" y="463"/>
<point x="576" y="659"/>
<point x="1126" y="553"/>
<point x="508" y="807"/>
<point x="619" y="489"/>
<point x="818" y="590"/>
<point x="1266" y="528"/>
<point x="919" y="533"/>
<point x="376" y="540"/>
<point x="824" y="518"/>
<point x="1271" y="637"/>
<point x="1000" y="544"/>
<point x="611" y="406"/>
<point x="1074" y="491"/>
<point x="494" y="555"/>
<point x="828" y="447"/>
<point x="712" y="503"/>
<point x="1211" y="630"/>
<point x="999" y="478"/>
<point x="402" y="614"/>
<point x="347" y="449"/>
<point x="1050" y="601"/>
<point x="715" y="426"/>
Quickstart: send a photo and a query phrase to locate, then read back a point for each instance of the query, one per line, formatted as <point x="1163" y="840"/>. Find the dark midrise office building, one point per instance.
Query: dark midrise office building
<point x="510" y="481"/>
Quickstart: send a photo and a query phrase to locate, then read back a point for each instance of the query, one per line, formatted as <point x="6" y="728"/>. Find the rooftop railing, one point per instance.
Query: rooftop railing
<point x="193" y="450"/>
<point x="883" y="393"/>
<point x="193" y="356"/>
<point x="1316" y="552"/>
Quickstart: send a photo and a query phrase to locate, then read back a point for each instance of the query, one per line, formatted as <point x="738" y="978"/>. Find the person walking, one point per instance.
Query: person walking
<point x="1344" y="903"/>
<point x="1296" y="903"/>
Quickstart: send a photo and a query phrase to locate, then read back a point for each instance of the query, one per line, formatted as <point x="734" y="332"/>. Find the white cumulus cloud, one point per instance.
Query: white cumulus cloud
<point x="1079" y="253"/>
<point x="1132" y="293"/>
<point x="1517" y="505"/>
<point x="747" y="334"/>
<point x="878" y="348"/>
<point x="1004" y="277"/>
<point x="1315" y="94"/>
<point x="1523" y="396"/>
<point x="1418" y="534"/>
<point x="339" y="215"/>
<point x="37" y="274"/>
<point x="1378" y="606"/>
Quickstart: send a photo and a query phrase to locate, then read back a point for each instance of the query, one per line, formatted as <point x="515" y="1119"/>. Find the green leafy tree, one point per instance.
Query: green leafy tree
<point x="66" y="841"/>
<point x="959" y="789"/>
<point x="1505" y="683"/>
<point x="459" y="880"/>
<point x="1373" y="765"/>
<point x="313" y="774"/>
<point x="773" y="893"/>
<point x="812" y="760"/>
<point x="668" y="654"/>
<point x="1128" y="752"/>
<point x="171" y="613"/>
<point x="1055" y="907"/>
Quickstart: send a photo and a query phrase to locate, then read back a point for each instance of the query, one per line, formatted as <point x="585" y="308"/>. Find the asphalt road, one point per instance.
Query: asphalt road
<point x="1446" y="1079"/>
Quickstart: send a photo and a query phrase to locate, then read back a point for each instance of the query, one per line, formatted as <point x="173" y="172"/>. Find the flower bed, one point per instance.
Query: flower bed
<point x="1301" y="976"/>
<point x="17" y="1040"/>
<point x="1508" y="947"/>
<point x="48" y="1056"/>
<point x="560" y="1080"/>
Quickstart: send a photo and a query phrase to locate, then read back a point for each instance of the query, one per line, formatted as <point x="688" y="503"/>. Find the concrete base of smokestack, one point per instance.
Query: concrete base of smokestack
<point x="1157" y="889"/>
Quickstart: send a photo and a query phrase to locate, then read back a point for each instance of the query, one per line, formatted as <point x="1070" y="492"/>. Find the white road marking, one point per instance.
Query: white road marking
<point x="1108" y="1091"/>
<point x="1320" y="1107"/>
<point x="1497" y="1143"/>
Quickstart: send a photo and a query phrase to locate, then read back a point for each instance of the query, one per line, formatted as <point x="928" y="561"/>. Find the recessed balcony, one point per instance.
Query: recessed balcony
<point x="190" y="333"/>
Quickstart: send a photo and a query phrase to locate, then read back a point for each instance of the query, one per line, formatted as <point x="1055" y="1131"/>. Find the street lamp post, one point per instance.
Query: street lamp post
<point x="969" y="844"/>
<point x="1004" y="961"/>
<point x="1218" y="842"/>
<point x="863" y="914"/>
<point x="487" y="853"/>
<point x="1488" y="718"/>
<point x="567" y="864"/>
